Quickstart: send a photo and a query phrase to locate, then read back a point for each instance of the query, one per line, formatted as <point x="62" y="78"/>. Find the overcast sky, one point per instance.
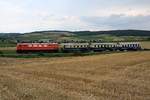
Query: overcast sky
<point x="33" y="15"/>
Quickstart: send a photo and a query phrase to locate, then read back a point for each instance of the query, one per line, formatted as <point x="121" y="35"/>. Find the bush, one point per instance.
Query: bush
<point x="1" y="53"/>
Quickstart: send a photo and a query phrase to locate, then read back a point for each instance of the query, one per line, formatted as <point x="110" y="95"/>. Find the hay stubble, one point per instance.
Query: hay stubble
<point x="121" y="76"/>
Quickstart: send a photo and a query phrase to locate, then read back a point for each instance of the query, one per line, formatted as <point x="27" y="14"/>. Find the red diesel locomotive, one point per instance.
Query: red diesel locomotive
<point x="37" y="47"/>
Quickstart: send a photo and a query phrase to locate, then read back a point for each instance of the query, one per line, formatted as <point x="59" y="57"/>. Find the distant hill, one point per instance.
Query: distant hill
<point x="116" y="32"/>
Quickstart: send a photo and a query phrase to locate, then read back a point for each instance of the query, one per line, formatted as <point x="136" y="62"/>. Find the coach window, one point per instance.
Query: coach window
<point x="69" y="46"/>
<point x="103" y="45"/>
<point x="107" y="45"/>
<point x="124" y="45"/>
<point x="128" y="45"/>
<point x="133" y="45"/>
<point x="136" y="45"/>
<point x="66" y="46"/>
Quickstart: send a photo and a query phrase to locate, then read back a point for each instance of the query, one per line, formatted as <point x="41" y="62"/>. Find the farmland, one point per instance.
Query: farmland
<point x="118" y="76"/>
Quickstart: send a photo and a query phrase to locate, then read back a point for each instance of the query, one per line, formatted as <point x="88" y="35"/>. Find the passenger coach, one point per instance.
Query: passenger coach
<point x="121" y="46"/>
<point x="74" y="47"/>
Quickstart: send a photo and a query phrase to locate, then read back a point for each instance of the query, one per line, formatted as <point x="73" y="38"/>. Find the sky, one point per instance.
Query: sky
<point x="73" y="15"/>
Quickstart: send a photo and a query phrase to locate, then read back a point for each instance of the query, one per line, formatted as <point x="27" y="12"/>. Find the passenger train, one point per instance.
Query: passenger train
<point x="77" y="47"/>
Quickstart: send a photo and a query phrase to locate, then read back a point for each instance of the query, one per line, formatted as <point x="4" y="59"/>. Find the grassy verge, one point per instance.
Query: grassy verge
<point x="13" y="54"/>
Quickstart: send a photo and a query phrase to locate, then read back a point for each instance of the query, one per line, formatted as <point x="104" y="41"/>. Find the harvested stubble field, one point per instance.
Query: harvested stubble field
<point x="120" y="76"/>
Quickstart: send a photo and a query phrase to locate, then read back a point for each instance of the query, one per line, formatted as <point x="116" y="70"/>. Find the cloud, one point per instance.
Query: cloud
<point x="119" y="22"/>
<point x="30" y="15"/>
